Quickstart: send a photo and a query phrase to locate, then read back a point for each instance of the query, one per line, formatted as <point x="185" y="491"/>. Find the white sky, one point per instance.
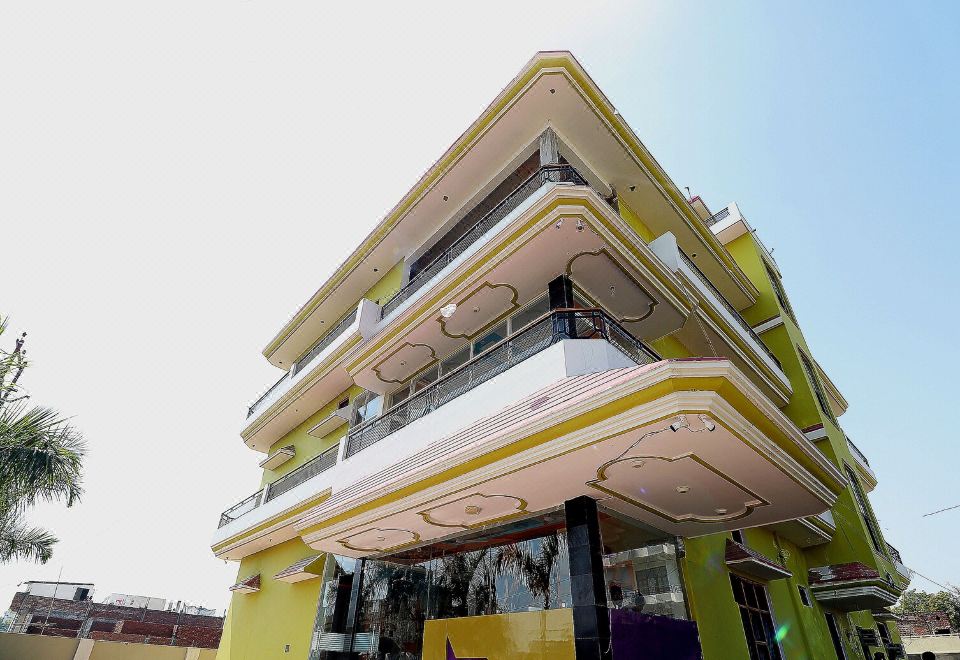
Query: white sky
<point x="175" y="180"/>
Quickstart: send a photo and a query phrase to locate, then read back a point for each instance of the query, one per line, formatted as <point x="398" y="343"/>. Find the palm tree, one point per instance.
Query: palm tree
<point x="40" y="460"/>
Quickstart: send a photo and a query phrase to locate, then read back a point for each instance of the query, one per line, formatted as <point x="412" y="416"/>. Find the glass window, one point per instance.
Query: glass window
<point x="455" y="360"/>
<point x="641" y="569"/>
<point x="779" y="291"/>
<point x="529" y="314"/>
<point x="400" y="395"/>
<point x="493" y="336"/>
<point x="822" y="399"/>
<point x="424" y="378"/>
<point x="757" y="619"/>
<point x="367" y="406"/>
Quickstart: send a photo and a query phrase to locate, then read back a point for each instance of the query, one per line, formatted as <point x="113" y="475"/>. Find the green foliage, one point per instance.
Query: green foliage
<point x="920" y="602"/>
<point x="40" y="460"/>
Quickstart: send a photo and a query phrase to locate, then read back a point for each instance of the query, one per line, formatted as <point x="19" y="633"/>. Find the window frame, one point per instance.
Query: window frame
<point x="762" y="611"/>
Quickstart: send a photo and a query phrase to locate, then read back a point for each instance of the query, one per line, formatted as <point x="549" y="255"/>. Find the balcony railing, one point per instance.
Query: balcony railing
<point x="240" y="508"/>
<point x="546" y="174"/>
<point x="299" y="365"/>
<point x="546" y="331"/>
<point x="324" y="341"/>
<point x="895" y="554"/>
<point x="320" y="463"/>
<point x="260" y="402"/>
<point x="859" y="455"/>
<point x="730" y="308"/>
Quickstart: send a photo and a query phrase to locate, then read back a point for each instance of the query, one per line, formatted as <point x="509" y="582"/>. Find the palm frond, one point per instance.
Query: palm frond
<point x="40" y="457"/>
<point x="17" y="541"/>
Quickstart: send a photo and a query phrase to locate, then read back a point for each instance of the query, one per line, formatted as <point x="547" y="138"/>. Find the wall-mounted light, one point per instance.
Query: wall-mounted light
<point x="708" y="423"/>
<point x="579" y="225"/>
<point x="559" y="224"/>
<point x="681" y="423"/>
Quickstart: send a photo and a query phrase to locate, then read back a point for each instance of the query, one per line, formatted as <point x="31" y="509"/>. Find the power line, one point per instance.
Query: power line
<point x="955" y="506"/>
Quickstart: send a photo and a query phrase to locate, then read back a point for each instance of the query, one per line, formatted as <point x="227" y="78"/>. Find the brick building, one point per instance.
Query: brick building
<point x="65" y="617"/>
<point x="925" y="623"/>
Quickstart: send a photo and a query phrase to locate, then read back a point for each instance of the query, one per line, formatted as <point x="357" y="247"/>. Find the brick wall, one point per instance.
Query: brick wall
<point x="927" y="623"/>
<point x="67" y="618"/>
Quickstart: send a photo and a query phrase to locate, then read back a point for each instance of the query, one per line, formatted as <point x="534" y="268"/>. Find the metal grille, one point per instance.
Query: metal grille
<point x="730" y="308"/>
<point x="856" y="452"/>
<point x="308" y="470"/>
<point x="560" y="324"/>
<point x="718" y="216"/>
<point x="543" y="176"/>
<point x="240" y="508"/>
<point x="325" y="341"/>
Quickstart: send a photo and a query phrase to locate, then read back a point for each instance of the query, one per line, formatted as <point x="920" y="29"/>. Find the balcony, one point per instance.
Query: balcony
<point x="317" y="465"/>
<point x="869" y="478"/>
<point x="544" y="332"/>
<point x="717" y="328"/>
<point x="851" y="587"/>
<point x="898" y="564"/>
<point x="545" y="175"/>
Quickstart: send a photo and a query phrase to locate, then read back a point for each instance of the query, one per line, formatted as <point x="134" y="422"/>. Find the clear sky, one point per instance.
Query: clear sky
<point x="177" y="178"/>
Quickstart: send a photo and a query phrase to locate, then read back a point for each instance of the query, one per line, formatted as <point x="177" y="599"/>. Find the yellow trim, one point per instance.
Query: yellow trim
<point x="718" y="384"/>
<point x="542" y="63"/>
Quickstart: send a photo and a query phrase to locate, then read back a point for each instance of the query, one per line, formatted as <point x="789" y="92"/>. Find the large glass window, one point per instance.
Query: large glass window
<point x="478" y="575"/>
<point x="758" y="626"/>
<point x="366" y="406"/>
<point x="779" y="291"/>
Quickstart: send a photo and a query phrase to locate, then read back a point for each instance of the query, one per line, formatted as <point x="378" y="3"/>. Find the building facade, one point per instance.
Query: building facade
<point x="68" y="610"/>
<point x="553" y="408"/>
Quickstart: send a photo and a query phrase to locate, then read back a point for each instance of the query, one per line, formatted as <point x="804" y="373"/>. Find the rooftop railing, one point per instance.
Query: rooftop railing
<point x="540" y="334"/>
<point x="544" y="175"/>
<point x="730" y="308"/>
<point x="261" y="401"/>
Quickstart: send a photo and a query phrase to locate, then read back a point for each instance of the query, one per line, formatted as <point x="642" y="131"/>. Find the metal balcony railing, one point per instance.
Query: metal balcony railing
<point x="730" y="308"/>
<point x="324" y="341"/>
<point x="240" y="508"/>
<point x="718" y="216"/>
<point x="546" y="174"/>
<point x="320" y="463"/>
<point x="307" y="357"/>
<point x="544" y="332"/>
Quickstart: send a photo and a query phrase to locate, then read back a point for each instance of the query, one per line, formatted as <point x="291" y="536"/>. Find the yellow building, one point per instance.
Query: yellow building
<point x="552" y="408"/>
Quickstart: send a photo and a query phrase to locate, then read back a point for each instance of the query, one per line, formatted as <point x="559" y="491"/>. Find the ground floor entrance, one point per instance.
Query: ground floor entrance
<point x="576" y="582"/>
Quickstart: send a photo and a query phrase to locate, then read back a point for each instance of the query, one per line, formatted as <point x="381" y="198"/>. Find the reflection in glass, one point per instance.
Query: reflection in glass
<point x="641" y="568"/>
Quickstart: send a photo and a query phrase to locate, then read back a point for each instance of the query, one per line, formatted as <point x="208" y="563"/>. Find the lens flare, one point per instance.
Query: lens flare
<point x="782" y="632"/>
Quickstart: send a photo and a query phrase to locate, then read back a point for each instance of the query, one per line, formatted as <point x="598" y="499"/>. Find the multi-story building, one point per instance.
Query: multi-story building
<point x="553" y="408"/>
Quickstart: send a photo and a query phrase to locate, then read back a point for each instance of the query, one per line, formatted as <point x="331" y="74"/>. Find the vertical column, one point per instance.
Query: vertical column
<point x="561" y="297"/>
<point x="353" y="612"/>
<point x="591" y="620"/>
<point x="549" y="148"/>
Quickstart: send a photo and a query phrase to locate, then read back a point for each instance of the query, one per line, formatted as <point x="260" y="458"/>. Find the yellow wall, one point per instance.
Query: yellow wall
<point x="541" y="635"/>
<point x="633" y="219"/>
<point x="388" y="285"/>
<point x="39" y="647"/>
<point x="258" y="625"/>
<point x="36" y="647"/>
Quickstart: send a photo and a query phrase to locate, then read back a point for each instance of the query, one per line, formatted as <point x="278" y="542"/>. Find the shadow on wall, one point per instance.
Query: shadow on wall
<point x="40" y="647"/>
